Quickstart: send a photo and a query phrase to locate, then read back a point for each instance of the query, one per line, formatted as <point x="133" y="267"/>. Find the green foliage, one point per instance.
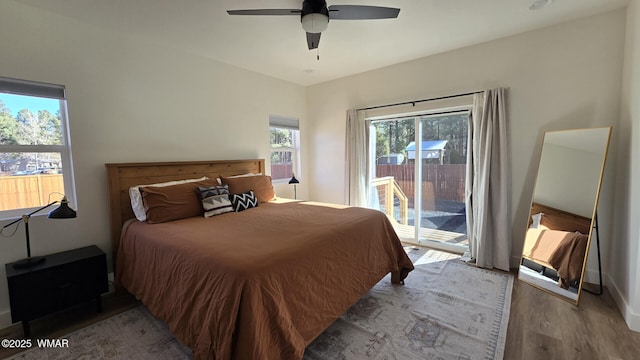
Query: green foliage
<point x="382" y="144"/>
<point x="281" y="138"/>
<point x="8" y="126"/>
<point x="26" y="128"/>
<point x="393" y="136"/>
<point x="29" y="129"/>
<point x="454" y="129"/>
<point x="281" y="145"/>
<point x="50" y="128"/>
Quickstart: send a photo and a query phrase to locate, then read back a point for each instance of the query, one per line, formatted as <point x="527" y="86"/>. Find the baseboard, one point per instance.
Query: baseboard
<point x="5" y="318"/>
<point x="592" y="277"/>
<point x="631" y="317"/>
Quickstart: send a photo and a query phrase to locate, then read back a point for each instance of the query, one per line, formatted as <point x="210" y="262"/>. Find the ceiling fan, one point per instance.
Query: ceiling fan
<point x="315" y="16"/>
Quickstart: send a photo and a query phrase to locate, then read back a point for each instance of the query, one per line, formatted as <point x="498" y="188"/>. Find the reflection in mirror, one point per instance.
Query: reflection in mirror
<point x="562" y="212"/>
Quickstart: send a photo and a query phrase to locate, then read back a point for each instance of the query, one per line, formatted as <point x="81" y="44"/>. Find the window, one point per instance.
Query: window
<point x="418" y="163"/>
<point x="35" y="153"/>
<point x="284" y="135"/>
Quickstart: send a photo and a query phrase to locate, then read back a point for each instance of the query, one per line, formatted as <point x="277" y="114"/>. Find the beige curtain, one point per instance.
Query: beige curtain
<point x="487" y="185"/>
<point x="356" y="158"/>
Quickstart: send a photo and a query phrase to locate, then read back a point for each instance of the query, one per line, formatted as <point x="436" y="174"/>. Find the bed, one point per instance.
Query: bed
<point x="559" y="242"/>
<point x="255" y="284"/>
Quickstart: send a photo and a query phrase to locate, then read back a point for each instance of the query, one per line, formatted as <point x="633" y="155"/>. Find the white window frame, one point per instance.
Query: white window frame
<point x="287" y="123"/>
<point x="39" y="89"/>
<point x="417" y="116"/>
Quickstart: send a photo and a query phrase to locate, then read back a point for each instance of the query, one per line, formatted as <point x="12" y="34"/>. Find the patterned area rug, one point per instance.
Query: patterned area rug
<point x="446" y="310"/>
<point x="133" y="334"/>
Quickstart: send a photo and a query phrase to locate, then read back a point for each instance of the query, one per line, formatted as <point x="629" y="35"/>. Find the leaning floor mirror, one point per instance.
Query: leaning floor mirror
<point x="563" y="210"/>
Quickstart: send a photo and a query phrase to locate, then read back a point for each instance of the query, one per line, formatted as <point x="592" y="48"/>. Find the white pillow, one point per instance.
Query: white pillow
<point x="136" y="196"/>
<point x="535" y="220"/>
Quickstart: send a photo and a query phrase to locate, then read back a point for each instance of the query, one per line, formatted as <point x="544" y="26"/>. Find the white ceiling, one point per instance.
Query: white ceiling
<point x="276" y="45"/>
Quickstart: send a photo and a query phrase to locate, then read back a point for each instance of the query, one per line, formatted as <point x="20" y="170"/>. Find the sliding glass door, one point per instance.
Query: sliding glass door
<point x="418" y="171"/>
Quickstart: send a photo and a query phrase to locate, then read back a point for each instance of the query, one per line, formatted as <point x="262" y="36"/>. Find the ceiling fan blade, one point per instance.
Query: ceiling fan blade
<point x="361" y="12"/>
<point x="265" y="12"/>
<point x="313" y="40"/>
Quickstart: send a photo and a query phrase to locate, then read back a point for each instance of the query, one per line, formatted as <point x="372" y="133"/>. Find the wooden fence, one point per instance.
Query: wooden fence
<point x="439" y="182"/>
<point x="18" y="192"/>
<point x="281" y="171"/>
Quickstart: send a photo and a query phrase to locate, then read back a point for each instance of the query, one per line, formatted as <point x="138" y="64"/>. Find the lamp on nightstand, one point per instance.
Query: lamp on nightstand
<point x="294" y="181"/>
<point x="61" y="212"/>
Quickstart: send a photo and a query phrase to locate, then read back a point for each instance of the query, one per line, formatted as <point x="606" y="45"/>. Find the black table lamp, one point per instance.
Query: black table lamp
<point x="61" y="212"/>
<point x="294" y="181"/>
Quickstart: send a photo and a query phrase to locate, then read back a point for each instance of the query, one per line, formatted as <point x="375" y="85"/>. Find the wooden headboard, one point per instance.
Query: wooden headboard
<point x="125" y="175"/>
<point x="561" y="220"/>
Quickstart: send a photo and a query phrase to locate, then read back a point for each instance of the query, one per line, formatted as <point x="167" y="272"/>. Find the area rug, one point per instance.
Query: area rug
<point x="446" y="310"/>
<point x="133" y="334"/>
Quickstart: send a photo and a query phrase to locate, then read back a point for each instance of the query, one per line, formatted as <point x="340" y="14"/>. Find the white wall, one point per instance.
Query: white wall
<point x="562" y="77"/>
<point x="131" y="101"/>
<point x="625" y="259"/>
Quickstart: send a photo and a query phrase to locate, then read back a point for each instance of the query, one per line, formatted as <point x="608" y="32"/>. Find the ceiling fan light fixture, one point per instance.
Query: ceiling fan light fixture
<point x="315" y="23"/>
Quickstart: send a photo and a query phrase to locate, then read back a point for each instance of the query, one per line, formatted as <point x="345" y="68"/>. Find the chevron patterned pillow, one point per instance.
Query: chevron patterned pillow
<point x="244" y="201"/>
<point x="215" y="200"/>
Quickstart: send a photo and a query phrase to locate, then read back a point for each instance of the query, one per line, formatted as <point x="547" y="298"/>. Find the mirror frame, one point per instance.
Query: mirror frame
<point x="531" y="212"/>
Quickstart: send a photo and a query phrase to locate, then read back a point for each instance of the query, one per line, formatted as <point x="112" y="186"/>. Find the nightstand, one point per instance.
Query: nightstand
<point x="64" y="279"/>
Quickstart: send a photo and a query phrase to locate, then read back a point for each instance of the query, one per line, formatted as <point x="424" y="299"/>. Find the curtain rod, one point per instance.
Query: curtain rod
<point x="419" y="101"/>
<point x="428" y="115"/>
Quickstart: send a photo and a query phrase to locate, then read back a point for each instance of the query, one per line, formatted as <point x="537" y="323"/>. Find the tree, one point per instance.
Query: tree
<point x="8" y="126"/>
<point x="393" y="136"/>
<point x="382" y="143"/>
<point x="281" y="139"/>
<point x="454" y="129"/>
<point x="28" y="128"/>
<point x="50" y="128"/>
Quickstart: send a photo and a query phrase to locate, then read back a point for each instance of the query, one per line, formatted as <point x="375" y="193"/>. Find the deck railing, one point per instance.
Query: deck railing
<point x="391" y="189"/>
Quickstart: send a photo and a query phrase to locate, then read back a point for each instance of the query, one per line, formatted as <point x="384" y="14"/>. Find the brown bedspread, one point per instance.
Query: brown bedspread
<point x="568" y="259"/>
<point x="262" y="283"/>
<point x="562" y="251"/>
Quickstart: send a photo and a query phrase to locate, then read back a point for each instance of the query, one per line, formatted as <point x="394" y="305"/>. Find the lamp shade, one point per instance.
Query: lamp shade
<point x="63" y="211"/>
<point x="294" y="180"/>
<point x="315" y="23"/>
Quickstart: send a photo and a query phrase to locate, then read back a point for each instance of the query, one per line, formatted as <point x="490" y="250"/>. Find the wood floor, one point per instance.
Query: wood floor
<point x="541" y="326"/>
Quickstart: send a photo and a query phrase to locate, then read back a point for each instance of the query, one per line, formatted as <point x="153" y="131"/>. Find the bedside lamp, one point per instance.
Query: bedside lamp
<point x="294" y="181"/>
<point x="61" y="212"/>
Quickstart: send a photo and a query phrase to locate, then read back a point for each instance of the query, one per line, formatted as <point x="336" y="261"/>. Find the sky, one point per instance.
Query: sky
<point x="19" y="102"/>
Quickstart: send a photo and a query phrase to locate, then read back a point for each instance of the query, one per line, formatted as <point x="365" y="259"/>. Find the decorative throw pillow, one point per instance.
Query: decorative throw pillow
<point x="260" y="184"/>
<point x="215" y="200"/>
<point x="244" y="201"/>
<point x="213" y="190"/>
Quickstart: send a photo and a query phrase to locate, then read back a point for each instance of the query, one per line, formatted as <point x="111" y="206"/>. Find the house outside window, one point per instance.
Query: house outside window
<point x="35" y="152"/>
<point x="284" y="135"/>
